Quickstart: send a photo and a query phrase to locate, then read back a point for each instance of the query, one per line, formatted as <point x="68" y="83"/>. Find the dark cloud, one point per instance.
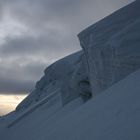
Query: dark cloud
<point x="44" y="44"/>
<point x="40" y="32"/>
<point x="17" y="78"/>
<point x="8" y="86"/>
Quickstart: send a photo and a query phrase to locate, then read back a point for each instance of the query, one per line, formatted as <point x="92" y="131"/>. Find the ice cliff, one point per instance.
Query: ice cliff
<point x="106" y="71"/>
<point x="112" y="47"/>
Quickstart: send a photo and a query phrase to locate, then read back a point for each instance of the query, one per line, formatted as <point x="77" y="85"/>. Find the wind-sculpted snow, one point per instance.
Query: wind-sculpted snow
<point x="59" y="107"/>
<point x="110" y="53"/>
<point x="112" y="47"/>
<point x="66" y="74"/>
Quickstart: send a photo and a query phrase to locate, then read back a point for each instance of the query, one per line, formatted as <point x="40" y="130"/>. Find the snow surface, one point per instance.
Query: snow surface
<point x="114" y="115"/>
<point x="63" y="105"/>
<point x="57" y="76"/>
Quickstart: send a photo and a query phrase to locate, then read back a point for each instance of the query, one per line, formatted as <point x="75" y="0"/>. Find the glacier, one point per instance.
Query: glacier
<point x="91" y="94"/>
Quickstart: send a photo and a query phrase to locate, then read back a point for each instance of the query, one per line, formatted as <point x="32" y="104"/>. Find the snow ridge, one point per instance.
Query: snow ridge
<point x="66" y="104"/>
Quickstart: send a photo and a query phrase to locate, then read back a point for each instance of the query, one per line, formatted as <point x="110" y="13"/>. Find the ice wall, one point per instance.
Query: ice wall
<point x="112" y="47"/>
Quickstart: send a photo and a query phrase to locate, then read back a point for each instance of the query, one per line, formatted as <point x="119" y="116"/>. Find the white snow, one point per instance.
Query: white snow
<point x="114" y="114"/>
<point x="63" y="105"/>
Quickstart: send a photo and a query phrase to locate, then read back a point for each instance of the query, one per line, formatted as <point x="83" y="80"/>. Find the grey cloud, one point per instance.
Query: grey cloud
<point x="41" y="13"/>
<point x="20" y="79"/>
<point x="43" y="45"/>
<point x="9" y="86"/>
<point x="36" y="13"/>
<point x="54" y="25"/>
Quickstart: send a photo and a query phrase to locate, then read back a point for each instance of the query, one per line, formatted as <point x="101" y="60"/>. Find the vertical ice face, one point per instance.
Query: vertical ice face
<point x="77" y="84"/>
<point x="112" y="47"/>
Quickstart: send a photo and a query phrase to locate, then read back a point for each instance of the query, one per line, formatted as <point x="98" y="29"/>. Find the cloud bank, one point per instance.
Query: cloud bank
<point x="34" y="34"/>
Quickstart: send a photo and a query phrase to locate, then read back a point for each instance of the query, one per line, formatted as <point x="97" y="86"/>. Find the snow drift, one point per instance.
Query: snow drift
<point x="63" y="105"/>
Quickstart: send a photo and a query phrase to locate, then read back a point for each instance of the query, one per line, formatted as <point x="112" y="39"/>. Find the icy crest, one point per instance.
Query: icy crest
<point x="108" y="64"/>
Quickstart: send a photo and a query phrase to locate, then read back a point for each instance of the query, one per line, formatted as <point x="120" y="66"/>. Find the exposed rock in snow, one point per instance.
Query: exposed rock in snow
<point x="56" y="109"/>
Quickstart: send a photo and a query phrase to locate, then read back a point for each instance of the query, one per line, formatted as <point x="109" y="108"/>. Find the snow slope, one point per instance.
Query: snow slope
<point x="112" y="115"/>
<point x="56" y="76"/>
<point x="63" y="106"/>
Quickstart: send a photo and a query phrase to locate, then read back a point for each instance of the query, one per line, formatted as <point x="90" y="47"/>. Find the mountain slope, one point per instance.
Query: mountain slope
<point x="114" y="115"/>
<point x="63" y="105"/>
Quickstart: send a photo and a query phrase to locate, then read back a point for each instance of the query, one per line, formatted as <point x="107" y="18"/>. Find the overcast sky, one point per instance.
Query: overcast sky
<point x="35" y="33"/>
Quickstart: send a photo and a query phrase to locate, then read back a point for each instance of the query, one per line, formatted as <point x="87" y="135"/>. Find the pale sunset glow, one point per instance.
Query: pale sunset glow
<point x="9" y="102"/>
